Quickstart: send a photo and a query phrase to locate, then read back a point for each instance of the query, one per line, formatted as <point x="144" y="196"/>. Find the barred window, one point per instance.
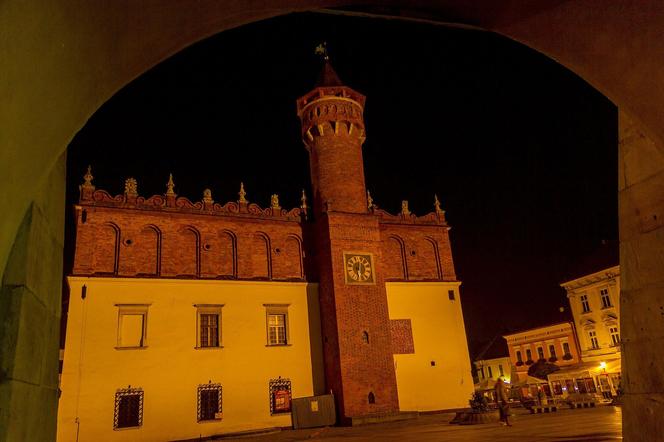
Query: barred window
<point x="280" y="396"/>
<point x="128" y="408"/>
<point x="208" y="318"/>
<point x="209" y="402"/>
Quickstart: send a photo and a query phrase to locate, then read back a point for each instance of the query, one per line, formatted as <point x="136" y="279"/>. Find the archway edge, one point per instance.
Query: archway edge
<point x="64" y="59"/>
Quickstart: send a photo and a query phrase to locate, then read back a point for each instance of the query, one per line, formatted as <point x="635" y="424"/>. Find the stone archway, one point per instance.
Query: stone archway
<point x="63" y="60"/>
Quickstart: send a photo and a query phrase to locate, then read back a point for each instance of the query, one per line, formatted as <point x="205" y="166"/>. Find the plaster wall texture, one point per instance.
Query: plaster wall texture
<point x="64" y="59"/>
<point x="439" y="336"/>
<point x="170" y="368"/>
<point x="30" y="317"/>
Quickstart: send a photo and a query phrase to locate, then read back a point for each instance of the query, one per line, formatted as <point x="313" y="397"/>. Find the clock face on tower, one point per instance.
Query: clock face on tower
<point x="358" y="268"/>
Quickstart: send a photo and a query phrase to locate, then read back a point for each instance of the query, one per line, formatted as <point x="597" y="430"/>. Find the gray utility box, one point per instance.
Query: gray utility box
<point x="314" y="411"/>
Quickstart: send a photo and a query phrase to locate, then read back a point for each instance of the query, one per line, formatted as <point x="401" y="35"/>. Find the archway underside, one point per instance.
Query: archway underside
<point x="65" y="59"/>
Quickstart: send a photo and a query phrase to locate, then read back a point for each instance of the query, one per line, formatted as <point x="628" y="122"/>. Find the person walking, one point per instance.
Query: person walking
<point x="501" y="400"/>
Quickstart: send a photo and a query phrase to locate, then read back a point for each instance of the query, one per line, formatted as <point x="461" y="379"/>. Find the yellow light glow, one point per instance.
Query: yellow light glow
<point x="602" y="365"/>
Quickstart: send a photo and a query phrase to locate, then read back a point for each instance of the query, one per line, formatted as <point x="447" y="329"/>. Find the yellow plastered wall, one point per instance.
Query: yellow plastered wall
<point x="170" y="368"/>
<point x="439" y="335"/>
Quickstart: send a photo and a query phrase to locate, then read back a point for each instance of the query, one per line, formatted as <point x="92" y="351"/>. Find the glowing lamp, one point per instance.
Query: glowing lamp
<point x="602" y="365"/>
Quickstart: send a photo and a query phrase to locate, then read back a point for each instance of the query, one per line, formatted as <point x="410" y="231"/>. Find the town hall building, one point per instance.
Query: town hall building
<point x="190" y="319"/>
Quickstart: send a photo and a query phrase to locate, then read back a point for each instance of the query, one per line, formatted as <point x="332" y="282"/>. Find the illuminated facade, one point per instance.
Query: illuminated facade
<point x="595" y="302"/>
<point x="191" y="319"/>
<point x="554" y="344"/>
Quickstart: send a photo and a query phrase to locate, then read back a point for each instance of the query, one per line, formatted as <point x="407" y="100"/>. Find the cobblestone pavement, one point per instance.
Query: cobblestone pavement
<point x="584" y="425"/>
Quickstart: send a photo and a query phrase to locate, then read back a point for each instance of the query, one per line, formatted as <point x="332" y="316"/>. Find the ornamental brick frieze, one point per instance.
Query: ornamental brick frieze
<point x="170" y="202"/>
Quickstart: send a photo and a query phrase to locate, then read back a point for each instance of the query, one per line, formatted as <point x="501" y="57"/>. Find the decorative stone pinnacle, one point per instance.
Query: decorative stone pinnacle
<point x="88" y="179"/>
<point x="274" y="202"/>
<point x="131" y="187"/>
<point x="436" y="204"/>
<point x="404" y="208"/>
<point x="170" y="186"/>
<point x="370" y="200"/>
<point x="303" y="206"/>
<point x="207" y="196"/>
<point x="242" y="194"/>
<point x="321" y="49"/>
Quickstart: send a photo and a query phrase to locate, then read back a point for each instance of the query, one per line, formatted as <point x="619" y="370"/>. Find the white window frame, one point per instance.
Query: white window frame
<point x="604" y="294"/>
<point x="592" y="336"/>
<point x="585" y="303"/>
<point x="277" y="309"/>
<point x="614" y="331"/>
<point x="132" y="310"/>
<point x="208" y="309"/>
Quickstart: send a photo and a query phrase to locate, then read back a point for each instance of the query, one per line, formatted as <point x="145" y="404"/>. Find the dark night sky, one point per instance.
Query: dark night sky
<point x="521" y="152"/>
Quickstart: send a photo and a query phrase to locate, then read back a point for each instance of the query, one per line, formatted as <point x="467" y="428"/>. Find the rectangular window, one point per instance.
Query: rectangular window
<point x="585" y="306"/>
<point x="529" y="355"/>
<point x="540" y="353"/>
<point x="277" y="324"/>
<point x="593" y="339"/>
<point x="615" y="335"/>
<point x="566" y="348"/>
<point x="606" y="299"/>
<point x="500" y="369"/>
<point x="450" y="294"/>
<point x="132" y="326"/>
<point x="209" y="402"/>
<point x="280" y="396"/>
<point x="490" y="372"/>
<point x="208" y="319"/>
<point x="518" y="356"/>
<point x="482" y="372"/>
<point x="552" y="351"/>
<point x="128" y="408"/>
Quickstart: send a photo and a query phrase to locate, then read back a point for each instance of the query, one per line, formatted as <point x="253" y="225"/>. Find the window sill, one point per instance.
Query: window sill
<point x="607" y="307"/>
<point x="218" y="347"/>
<point x="132" y="348"/>
<point x="127" y="428"/>
<point x="278" y="345"/>
<point x="210" y="421"/>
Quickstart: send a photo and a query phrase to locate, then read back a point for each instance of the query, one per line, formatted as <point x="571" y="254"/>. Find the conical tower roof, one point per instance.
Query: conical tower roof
<point x="328" y="77"/>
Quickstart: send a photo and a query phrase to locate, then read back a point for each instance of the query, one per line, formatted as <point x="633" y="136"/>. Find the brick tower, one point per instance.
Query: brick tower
<point x="359" y="365"/>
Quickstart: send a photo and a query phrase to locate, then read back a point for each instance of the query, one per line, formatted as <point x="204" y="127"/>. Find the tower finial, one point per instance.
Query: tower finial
<point x="370" y="204"/>
<point x="274" y="202"/>
<point x="170" y="186"/>
<point x="321" y="50"/>
<point x="88" y="177"/>
<point x="242" y="194"/>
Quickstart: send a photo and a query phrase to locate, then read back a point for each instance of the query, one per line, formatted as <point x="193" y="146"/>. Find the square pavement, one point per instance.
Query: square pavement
<point x="599" y="424"/>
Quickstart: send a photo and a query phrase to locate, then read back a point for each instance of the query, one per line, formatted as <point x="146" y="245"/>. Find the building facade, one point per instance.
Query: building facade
<point x="191" y="319"/>
<point x="554" y="344"/>
<point x="493" y="369"/>
<point x="595" y="303"/>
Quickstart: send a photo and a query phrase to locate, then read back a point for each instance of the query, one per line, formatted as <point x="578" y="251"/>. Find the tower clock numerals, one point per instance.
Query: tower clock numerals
<point x="359" y="268"/>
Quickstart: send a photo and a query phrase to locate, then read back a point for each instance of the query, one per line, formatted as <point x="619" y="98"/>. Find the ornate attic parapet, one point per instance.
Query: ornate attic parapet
<point x="170" y="202"/>
<point x="437" y="217"/>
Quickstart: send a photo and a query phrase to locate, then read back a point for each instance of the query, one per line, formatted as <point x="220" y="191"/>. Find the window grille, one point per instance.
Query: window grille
<point x="209" y="402"/>
<point x="128" y="408"/>
<point x="280" y="396"/>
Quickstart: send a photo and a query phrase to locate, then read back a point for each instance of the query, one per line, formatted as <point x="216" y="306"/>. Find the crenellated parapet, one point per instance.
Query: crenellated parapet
<point x="329" y="111"/>
<point x="170" y="202"/>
